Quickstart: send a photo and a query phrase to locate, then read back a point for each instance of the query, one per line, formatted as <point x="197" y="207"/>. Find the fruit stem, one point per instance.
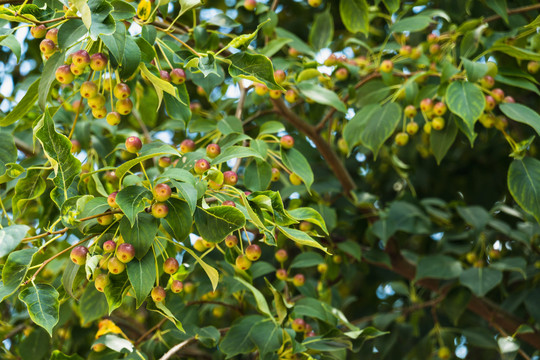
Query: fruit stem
<point x="157" y="267"/>
<point x="5" y="213"/>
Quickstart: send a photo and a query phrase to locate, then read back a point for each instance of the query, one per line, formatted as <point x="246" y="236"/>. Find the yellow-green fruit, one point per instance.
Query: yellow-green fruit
<point x="427" y="128"/>
<point x="412" y="128"/>
<point x="261" y="89"/>
<point x="275" y="94"/>
<point x="444" y="353"/>
<point x="402" y="139"/>
<point x="295" y="179"/>
<point x="437" y="123"/>
<point x="342" y="146"/>
<point x="322" y="268"/>
<point x="199" y="245"/>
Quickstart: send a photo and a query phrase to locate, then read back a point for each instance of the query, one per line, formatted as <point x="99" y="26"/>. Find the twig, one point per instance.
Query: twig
<point x="21" y="146"/>
<point x="503" y="333"/>
<point x="150" y="331"/>
<point x="45" y="234"/>
<point x="146" y="133"/>
<point x="257" y="115"/>
<point x="202" y="302"/>
<point x="17" y="329"/>
<point x="183" y="344"/>
<point x="241" y="100"/>
<point x="513" y="11"/>
<point x="403" y="310"/>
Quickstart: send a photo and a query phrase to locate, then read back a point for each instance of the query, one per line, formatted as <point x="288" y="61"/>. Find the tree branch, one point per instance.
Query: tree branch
<point x="333" y="161"/>
<point x="183" y="344"/>
<point x="513" y="11"/>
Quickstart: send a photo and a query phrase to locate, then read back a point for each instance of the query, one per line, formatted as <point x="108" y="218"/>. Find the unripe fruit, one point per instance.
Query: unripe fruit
<point x="322" y="268"/>
<point x="487" y="120"/>
<point x="78" y="255"/>
<point x="38" y="31"/>
<point x="314" y="3"/>
<point x="299" y="325"/>
<point x="47" y="47"/>
<point x="337" y="259"/>
<point x="299" y="280"/>
<point x="281" y="274"/>
<point x="426" y="105"/>
<point x="405" y="50"/>
<point x="386" y="66"/>
<point x="242" y="262"/>
<point x="177" y="286"/>
<point x="97" y="102"/>
<point x="431" y="38"/>
<point x="125" y="252"/>
<point x="195" y="107"/>
<point x="295" y="179"/>
<point x="439" y="108"/>
<point x="201" y="166"/>
<point x="111" y="200"/>
<point x="275" y="94"/>
<point x="434" y="49"/>
<point x="291" y="96"/>
<point x="76" y="105"/>
<point x="213" y="150"/>
<point x="490" y="103"/>
<point x="410" y="111"/>
<point x="109" y="246"/>
<point x="158" y="294"/>
<point x="52" y="35"/>
<point x="162" y="192"/>
<point x="250" y="5"/>
<point x="160" y="210"/>
<point x="76" y="69"/>
<point x="121" y="91"/>
<point x="189" y="287"/>
<point x="444" y="353"/>
<point x="276" y="174"/>
<point x="107" y="82"/>
<point x="124" y="106"/>
<point x="487" y="82"/>
<point x="229" y="203"/>
<point x="64" y="75"/>
<point x="113" y="118"/>
<point x="81" y="58"/>
<point x="187" y="145"/>
<point x="437" y="123"/>
<point x="509" y="99"/>
<point x="164" y="75"/>
<point x="253" y="252"/>
<point x="498" y="95"/>
<point x="104" y="263"/>
<point x="230" y="178"/>
<point x="98" y="347"/>
<point x="98" y="62"/>
<point x="88" y="89"/>
<point x="342" y="74"/>
<point x="170" y="266"/>
<point x="75" y="146"/>
<point x="331" y="60"/>
<point x="427" y="128"/>
<point x="199" y="245"/>
<point x="412" y="128"/>
<point x="402" y="138"/>
<point x="133" y="144"/>
<point x="164" y="161"/>
<point x="305" y="226"/>
<point x="287" y="141"/>
<point x="105" y="220"/>
<point x="280" y="76"/>
<point x="231" y="241"/>
<point x="501" y="122"/>
<point x="101" y="282"/>
<point x="293" y="52"/>
<point x="200" y="91"/>
<point x="178" y="76"/>
<point x="208" y="244"/>
<point x="281" y="255"/>
<point x="532" y="66"/>
<point x="116" y="266"/>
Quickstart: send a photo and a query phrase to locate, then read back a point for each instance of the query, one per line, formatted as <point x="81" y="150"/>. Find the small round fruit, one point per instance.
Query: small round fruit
<point x="38" y="31"/>
<point x="52" y="35"/>
<point x="97" y="102"/>
<point x="498" y="95"/>
<point x="314" y="3"/>
<point x="116" y="266"/>
<point x="532" y="66"/>
<point x="405" y="50"/>
<point x="439" y="108"/>
<point x="281" y="274"/>
<point x="487" y="82"/>
<point x="105" y="220"/>
<point x="410" y="111"/>
<point x="342" y="74"/>
<point x="187" y="146"/>
<point x="104" y="263"/>
<point x="293" y="52"/>
<point x="412" y="128"/>
<point x="276" y="174"/>
<point x="253" y="252"/>
<point x="242" y="262"/>
<point x="121" y="91"/>
<point x="158" y="294"/>
<point x="199" y="245"/>
<point x="322" y="268"/>
<point x="170" y="266"/>
<point x="250" y="5"/>
<point x="98" y="62"/>
<point x="402" y="138"/>
<point x="160" y="210"/>
<point x="444" y="353"/>
<point x="386" y="66"/>
<point x="213" y="150"/>
<point x="427" y="128"/>
<point x="75" y="146"/>
<point x="490" y="103"/>
<point x="164" y="161"/>
<point x="63" y="74"/>
<point x="75" y="69"/>
<point x="124" y="106"/>
<point x="331" y="60"/>
<point x="81" y="58"/>
<point x="434" y="49"/>
<point x="164" y="75"/>
<point x="195" y="107"/>
<point x="162" y="192"/>
<point x="125" y="252"/>
<point x="295" y="179"/>
<point x="437" y="123"/>
<point x="201" y="166"/>
<point x="229" y="203"/>
<point x="275" y="94"/>
<point x="231" y="241"/>
<point x="487" y="120"/>
<point x="109" y="246"/>
<point x="299" y="325"/>
<point x="299" y="280"/>
<point x="201" y="91"/>
<point x="230" y="178"/>
<point x="111" y="200"/>
<point x="261" y="89"/>
<point x="287" y="142"/>
<point x="88" y="89"/>
<point x="178" y="76"/>
<point x="101" y="282"/>
<point x="208" y="244"/>
<point x="78" y="255"/>
<point x="189" y="287"/>
<point x="113" y="118"/>
<point x="281" y="255"/>
<point x="133" y="144"/>
<point x="291" y="96"/>
<point x="305" y="226"/>
<point x="99" y="113"/>
<point x="280" y="76"/>
<point x="426" y="105"/>
<point x="47" y="47"/>
<point x="177" y="286"/>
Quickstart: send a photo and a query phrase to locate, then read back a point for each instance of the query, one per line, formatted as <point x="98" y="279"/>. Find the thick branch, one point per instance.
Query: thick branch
<point x="513" y="11"/>
<point x="333" y="161"/>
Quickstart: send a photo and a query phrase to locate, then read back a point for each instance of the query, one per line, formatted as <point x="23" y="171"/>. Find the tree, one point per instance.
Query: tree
<point x="274" y="179"/>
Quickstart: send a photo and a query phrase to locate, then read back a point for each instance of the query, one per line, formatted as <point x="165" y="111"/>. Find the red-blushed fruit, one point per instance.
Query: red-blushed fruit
<point x="116" y="266"/>
<point x="208" y="244"/>
<point x="38" y="31"/>
<point x="487" y="82"/>
<point x="280" y="76"/>
<point x="281" y="255"/>
<point x="509" y="99"/>
<point x="261" y="89"/>
<point x="162" y="192"/>
<point x="231" y="241"/>
<point x="322" y="268"/>
<point x="97" y="102"/>
<point x="431" y="38"/>
<point x="178" y="76"/>
<point x="444" y="353"/>
<point x="52" y="34"/>
<point x="275" y="94"/>
<point x="109" y="246"/>
<point x="487" y="120"/>
<point x="405" y="50"/>
<point x="111" y="200"/>
<point x="189" y="287"/>
<point x="124" y="106"/>
<point x="437" y="123"/>
<point x="416" y="52"/>
<point x="230" y="178"/>
<point x="490" y="103"/>
<point x="386" y="66"/>
<point x="64" y="75"/>
<point x="77" y="105"/>
<point x="291" y="96"/>
<point x="295" y="179"/>
<point x="160" y="210"/>
<point x="125" y="252"/>
<point x="98" y="347"/>
<point x="105" y="220"/>
<point x="201" y="91"/>
<point x="253" y="252"/>
<point x="281" y="274"/>
<point x="98" y="62"/>
<point x="75" y="69"/>
<point x="532" y="66"/>
<point x="113" y="118"/>
<point x="362" y="62"/>
<point x="434" y="49"/>
<point x="170" y="266"/>
<point x="310" y="334"/>
<point x="164" y="75"/>
<point x="78" y="255"/>
<point x="410" y="111"/>
<point x="439" y="108"/>
<point x="426" y="105"/>
<point x="331" y="60"/>
<point x="412" y="128"/>
<point x="88" y="89"/>
<point x="314" y="3"/>
<point x="164" y="161"/>
<point x="498" y="95"/>
<point x="250" y="5"/>
<point x="195" y="107"/>
<point x="287" y="142"/>
<point x="242" y="262"/>
<point x="104" y="263"/>
<point x="101" y="282"/>
<point x="75" y="146"/>
<point x="305" y="226"/>
<point x="201" y="166"/>
<point x="402" y="138"/>
<point x="213" y="150"/>
<point x="276" y="174"/>
<point x="133" y="144"/>
<point x="342" y="74"/>
<point x="177" y="286"/>
<point x="158" y="294"/>
<point x="187" y="146"/>
<point x="299" y="280"/>
<point x="81" y="58"/>
<point x="229" y="203"/>
<point x="199" y="245"/>
<point x="299" y="325"/>
<point x="121" y="91"/>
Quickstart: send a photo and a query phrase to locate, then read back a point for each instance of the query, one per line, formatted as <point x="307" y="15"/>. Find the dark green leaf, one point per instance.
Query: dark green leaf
<point x="234" y="152"/>
<point x="307" y="259"/>
<point x="215" y="223"/>
<point x="116" y="290"/>
<point x="355" y="15"/>
<point x="70" y="32"/>
<point x="24" y="105"/>
<point x="43" y="305"/>
<point x="380" y="126"/>
<point x="499" y="6"/>
<point x="297" y="163"/>
<point x="522" y="114"/>
<point x="179" y="219"/>
<point x="142" y="276"/>
<point x="466" y="100"/>
<point x="14" y="271"/>
<point x="411" y="24"/>
<point x="13" y="44"/>
<point x="10" y="238"/>
<point x="257" y="68"/>
<point x="301" y="238"/>
<point x="438" y="267"/>
<point x="442" y="140"/>
<point x="480" y="280"/>
<point x="116" y="43"/>
<point x="518" y="82"/>
<point x="257" y="175"/>
<point x="122" y="10"/>
<point x="475" y="70"/>
<point x="321" y="95"/>
<point x="309" y="214"/>
<point x="48" y="76"/>
<point x="524" y="184"/>
<point x="237" y="340"/>
<point x="322" y="30"/>
<point x="267" y="336"/>
<point x="132" y="200"/>
<point x="93" y="305"/>
<point x="141" y="234"/>
<point x="58" y="355"/>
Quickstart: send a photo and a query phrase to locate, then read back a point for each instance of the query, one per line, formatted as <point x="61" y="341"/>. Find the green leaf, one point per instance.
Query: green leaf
<point x="302" y="238"/>
<point x="442" y="140"/>
<point x="297" y="163"/>
<point x="517" y="82"/>
<point x="212" y="273"/>
<point x="411" y="24"/>
<point x="354" y="128"/>
<point x="522" y="114"/>
<point x="223" y="20"/>
<point x="309" y="214"/>
<point x="476" y="216"/>
<point x="351" y="248"/>
<point x="475" y="70"/>
<point x="48" y="77"/>
<point x="402" y="216"/>
<point x="438" y="267"/>
<point x="391" y="5"/>
<point x="237" y="340"/>
<point x="70" y="278"/>
<point x="186" y="5"/>
<point x="116" y="43"/>
<point x="13" y="44"/>
<point x="29" y="188"/>
<point x="27" y="102"/>
<point x="10" y="238"/>
<point x="132" y="58"/>
<point x="524" y="184"/>
<point x="93" y="305"/>
<point x="257" y="175"/>
<point x="236" y="152"/>
<point x="513" y="263"/>
<point x="70" y="32"/>
<point x="84" y="9"/>
<point x="132" y="200"/>
<point x="499" y="6"/>
<point x="159" y="84"/>
<point x="322" y="30"/>
<point x="262" y="305"/>
<point x="355" y="15"/>
<point x="314" y="308"/>
<point x="516" y="52"/>
<point x="274" y="46"/>
<point x="307" y="259"/>
<point x="267" y="336"/>
<point x="321" y="95"/>
<point x="215" y="223"/>
<point x="116" y="290"/>
<point x="178" y="107"/>
<point x="271" y="127"/>
<point x="257" y="68"/>
<point x="122" y="10"/>
<point x="188" y="193"/>
<point x="164" y="310"/>
<point x="296" y="42"/>
<point x="14" y="271"/>
<point x="466" y="100"/>
<point x="142" y="276"/>
<point x="148" y="151"/>
<point x="480" y="280"/>
<point x="58" y="355"/>
<point x="229" y="125"/>
<point x="380" y="126"/>
<point x="102" y="22"/>
<point x="43" y="305"/>
<point x="57" y="149"/>
<point x="179" y="219"/>
<point x="141" y="234"/>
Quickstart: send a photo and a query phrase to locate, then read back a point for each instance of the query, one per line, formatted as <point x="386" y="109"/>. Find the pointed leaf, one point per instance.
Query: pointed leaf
<point x="132" y="200"/>
<point x="43" y="305"/>
<point x="142" y="276"/>
<point x="524" y="184"/>
<point x="14" y="271"/>
<point x="302" y="238"/>
<point x="480" y="280"/>
<point x="141" y="234"/>
<point x="380" y="126"/>
<point x="215" y="223"/>
<point x="10" y="238"/>
<point x="466" y="100"/>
